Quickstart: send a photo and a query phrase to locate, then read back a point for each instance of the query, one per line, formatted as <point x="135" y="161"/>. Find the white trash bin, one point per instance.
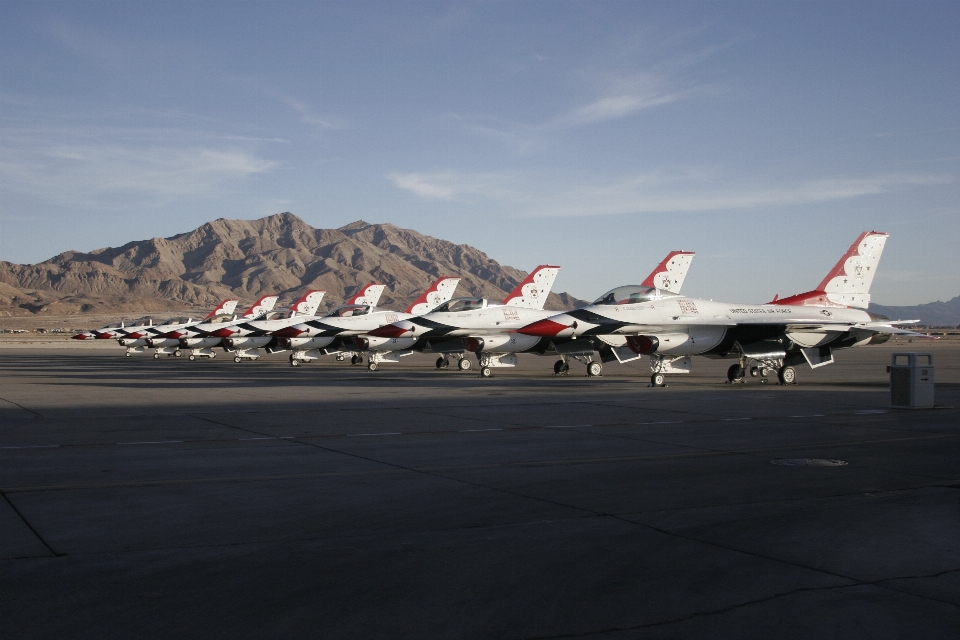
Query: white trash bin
<point x="911" y="380"/>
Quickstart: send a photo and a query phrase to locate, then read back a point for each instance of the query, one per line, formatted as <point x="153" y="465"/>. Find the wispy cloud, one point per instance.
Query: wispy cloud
<point x="689" y="191"/>
<point x="99" y="167"/>
<point x="308" y="116"/>
<point x="448" y="185"/>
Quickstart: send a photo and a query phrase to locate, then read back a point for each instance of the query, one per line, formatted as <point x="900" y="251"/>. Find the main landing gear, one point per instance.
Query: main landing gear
<point x="561" y="368"/>
<point x="658" y="380"/>
<point x="737" y="373"/>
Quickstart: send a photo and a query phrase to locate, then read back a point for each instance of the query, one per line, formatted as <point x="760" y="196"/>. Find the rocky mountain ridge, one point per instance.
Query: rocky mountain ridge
<point x="279" y="254"/>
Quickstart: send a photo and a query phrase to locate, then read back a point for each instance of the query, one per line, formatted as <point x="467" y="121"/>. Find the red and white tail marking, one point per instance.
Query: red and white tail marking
<point x="671" y="273"/>
<point x="368" y="294"/>
<point x="308" y="303"/>
<point x="261" y="307"/>
<point x="438" y="293"/>
<point x="224" y="308"/>
<point x="533" y="291"/>
<point x="848" y="283"/>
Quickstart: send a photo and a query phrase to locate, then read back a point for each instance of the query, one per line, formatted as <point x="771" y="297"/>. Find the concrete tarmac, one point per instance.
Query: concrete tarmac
<point x="148" y="498"/>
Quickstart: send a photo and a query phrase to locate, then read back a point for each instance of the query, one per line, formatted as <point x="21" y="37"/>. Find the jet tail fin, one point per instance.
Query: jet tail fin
<point x="368" y="294"/>
<point x="438" y="293"/>
<point x="307" y="304"/>
<point x="848" y="283"/>
<point x="671" y="273"/>
<point x="260" y="308"/>
<point x="533" y="291"/>
<point x="224" y="308"/>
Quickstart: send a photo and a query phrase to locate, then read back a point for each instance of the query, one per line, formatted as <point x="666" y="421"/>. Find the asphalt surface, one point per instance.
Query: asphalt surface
<point x="145" y="498"/>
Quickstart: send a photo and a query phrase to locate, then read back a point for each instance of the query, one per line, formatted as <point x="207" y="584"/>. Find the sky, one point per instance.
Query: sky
<point x="596" y="135"/>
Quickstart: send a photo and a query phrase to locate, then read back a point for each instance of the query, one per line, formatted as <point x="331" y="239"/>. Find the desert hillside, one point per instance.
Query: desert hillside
<point x="279" y="254"/>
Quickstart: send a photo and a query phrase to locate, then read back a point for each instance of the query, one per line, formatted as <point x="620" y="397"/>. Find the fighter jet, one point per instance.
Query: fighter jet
<point x="441" y="331"/>
<point x="245" y="339"/>
<point x="333" y="333"/>
<point x="171" y="346"/>
<point x="492" y="349"/>
<point x="763" y="338"/>
<point x="134" y="335"/>
<point x="198" y="337"/>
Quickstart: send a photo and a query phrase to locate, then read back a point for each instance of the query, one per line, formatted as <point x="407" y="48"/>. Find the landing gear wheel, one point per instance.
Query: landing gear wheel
<point x="754" y="372"/>
<point x="486" y="372"/>
<point x="156" y="356"/>
<point x="658" y="380"/>
<point x="440" y="363"/>
<point x="340" y="357"/>
<point x="294" y="362"/>
<point x="464" y="364"/>
<point x="787" y="375"/>
<point x="373" y="366"/>
<point x="735" y="373"/>
<point x="213" y="355"/>
<point x="177" y="353"/>
<point x="356" y="359"/>
<point x="127" y="354"/>
<point x="238" y="359"/>
<point x="192" y="357"/>
<point x="558" y="367"/>
<point x="594" y="369"/>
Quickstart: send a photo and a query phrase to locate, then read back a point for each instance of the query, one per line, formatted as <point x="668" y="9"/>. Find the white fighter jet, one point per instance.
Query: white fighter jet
<point x="171" y="346"/>
<point x="443" y="329"/>
<point x="198" y="337"/>
<point x="246" y="338"/>
<point x="763" y="338"/>
<point x="134" y="335"/>
<point x="334" y="333"/>
<point x="492" y="349"/>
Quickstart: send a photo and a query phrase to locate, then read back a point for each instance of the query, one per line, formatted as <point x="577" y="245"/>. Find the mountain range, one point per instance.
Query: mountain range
<point x="280" y="254"/>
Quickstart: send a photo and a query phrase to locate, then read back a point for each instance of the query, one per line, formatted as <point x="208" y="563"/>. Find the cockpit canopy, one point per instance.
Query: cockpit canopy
<point x="349" y="310"/>
<point x="461" y="304"/>
<point x="178" y="320"/>
<point x="632" y="294"/>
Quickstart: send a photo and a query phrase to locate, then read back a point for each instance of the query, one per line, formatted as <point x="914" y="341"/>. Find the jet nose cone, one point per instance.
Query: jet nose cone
<point x="103" y="336"/>
<point x="287" y="332"/>
<point x="81" y="336"/>
<point x="544" y="328"/>
<point x="390" y="331"/>
<point x="222" y="333"/>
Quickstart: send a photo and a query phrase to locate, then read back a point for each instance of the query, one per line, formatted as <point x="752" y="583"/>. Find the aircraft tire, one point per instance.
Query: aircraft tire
<point x="464" y="364"/>
<point x="191" y="357"/>
<point x="557" y="367"/>
<point x="238" y="359"/>
<point x="787" y="375"/>
<point x="735" y="373"/>
<point x="355" y="359"/>
<point x="127" y="354"/>
<point x="594" y="369"/>
<point x="294" y="362"/>
<point x="177" y="353"/>
<point x="373" y="366"/>
<point x="213" y="355"/>
<point x="156" y="356"/>
<point x="658" y="380"/>
<point x="486" y="372"/>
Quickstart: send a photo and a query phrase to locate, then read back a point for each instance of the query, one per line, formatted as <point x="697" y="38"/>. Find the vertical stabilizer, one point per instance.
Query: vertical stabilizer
<point x="260" y="308"/>
<point x="368" y="294"/>
<point x="224" y="308"/>
<point x="848" y="283"/>
<point x="533" y="291"/>
<point x="438" y="293"/>
<point x="671" y="273"/>
<point x="308" y="303"/>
